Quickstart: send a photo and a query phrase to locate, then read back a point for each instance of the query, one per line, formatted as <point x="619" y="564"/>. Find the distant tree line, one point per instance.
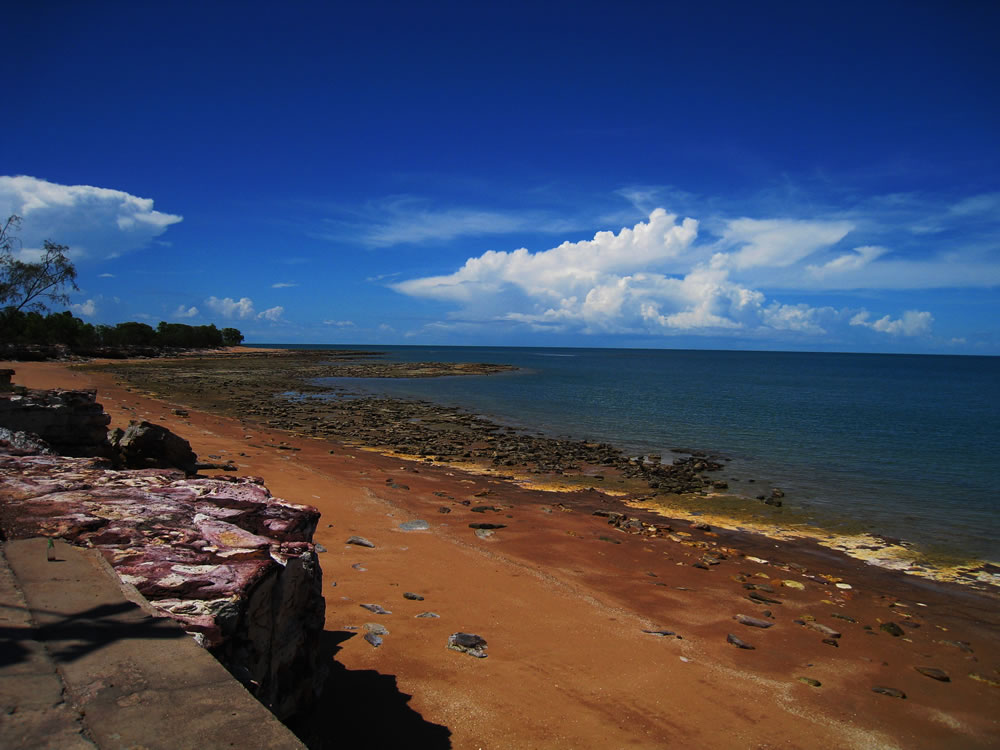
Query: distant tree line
<point x="65" y="329"/>
<point x="28" y="287"/>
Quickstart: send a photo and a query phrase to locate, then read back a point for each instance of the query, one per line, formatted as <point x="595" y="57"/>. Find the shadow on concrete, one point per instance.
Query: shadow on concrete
<point x="71" y="636"/>
<point x="363" y="707"/>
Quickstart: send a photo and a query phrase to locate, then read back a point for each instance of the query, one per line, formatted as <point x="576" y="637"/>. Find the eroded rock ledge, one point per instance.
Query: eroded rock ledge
<point x="223" y="557"/>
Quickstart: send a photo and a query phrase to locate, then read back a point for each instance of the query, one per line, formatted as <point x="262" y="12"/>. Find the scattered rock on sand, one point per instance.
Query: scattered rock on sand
<point x="820" y="628"/>
<point x="891" y="628"/>
<point x="845" y="618"/>
<point x="487" y="526"/>
<point x="660" y="633"/>
<point x="753" y="622"/>
<point x="730" y="638"/>
<point x="413" y="597"/>
<point x="935" y="674"/>
<point x="470" y="643"/>
<point x="377" y="609"/>
<point x="891" y="692"/>
<point x="359" y="541"/>
<point x="809" y="681"/>
<point x="418" y="525"/>
<point x="427" y="615"/>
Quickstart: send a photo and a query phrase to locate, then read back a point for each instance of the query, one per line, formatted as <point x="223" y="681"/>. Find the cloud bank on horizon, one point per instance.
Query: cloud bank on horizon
<point x="656" y="278"/>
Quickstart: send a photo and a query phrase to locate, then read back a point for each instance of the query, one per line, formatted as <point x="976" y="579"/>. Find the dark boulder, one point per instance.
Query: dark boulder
<point x="144" y="445"/>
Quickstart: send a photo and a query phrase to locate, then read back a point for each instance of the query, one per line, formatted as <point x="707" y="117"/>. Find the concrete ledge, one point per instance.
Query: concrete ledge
<point x="129" y="679"/>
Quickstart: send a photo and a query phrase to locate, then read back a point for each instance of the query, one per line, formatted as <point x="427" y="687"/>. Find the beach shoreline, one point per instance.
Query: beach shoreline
<point x="478" y="447"/>
<point x="563" y="598"/>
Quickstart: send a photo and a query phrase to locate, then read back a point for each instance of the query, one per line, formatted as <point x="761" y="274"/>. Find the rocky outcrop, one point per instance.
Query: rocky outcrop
<point x="234" y="565"/>
<point x="71" y="422"/>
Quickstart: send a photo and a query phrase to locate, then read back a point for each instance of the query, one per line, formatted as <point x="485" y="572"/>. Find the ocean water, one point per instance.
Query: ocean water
<point x="897" y="445"/>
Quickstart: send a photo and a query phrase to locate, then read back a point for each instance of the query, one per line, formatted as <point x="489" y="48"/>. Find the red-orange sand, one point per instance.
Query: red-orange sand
<point x="563" y="611"/>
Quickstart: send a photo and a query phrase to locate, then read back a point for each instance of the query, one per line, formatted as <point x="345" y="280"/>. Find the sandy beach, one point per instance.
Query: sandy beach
<point x="599" y="635"/>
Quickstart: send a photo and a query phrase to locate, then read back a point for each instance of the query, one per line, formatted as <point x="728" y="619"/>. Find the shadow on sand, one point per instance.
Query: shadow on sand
<point x="364" y="708"/>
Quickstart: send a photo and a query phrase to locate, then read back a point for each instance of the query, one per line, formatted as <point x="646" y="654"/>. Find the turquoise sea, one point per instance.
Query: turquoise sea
<point x="904" y="446"/>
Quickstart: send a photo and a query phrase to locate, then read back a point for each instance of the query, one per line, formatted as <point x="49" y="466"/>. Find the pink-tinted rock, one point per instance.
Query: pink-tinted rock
<point x="234" y="565"/>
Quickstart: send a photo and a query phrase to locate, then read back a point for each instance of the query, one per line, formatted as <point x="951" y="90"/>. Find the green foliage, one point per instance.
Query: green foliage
<point x="65" y="329"/>
<point x="29" y="285"/>
<point x="231" y="337"/>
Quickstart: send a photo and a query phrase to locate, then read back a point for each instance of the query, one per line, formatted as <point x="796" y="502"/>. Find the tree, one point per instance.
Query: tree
<point x="231" y="337"/>
<point x="28" y="285"/>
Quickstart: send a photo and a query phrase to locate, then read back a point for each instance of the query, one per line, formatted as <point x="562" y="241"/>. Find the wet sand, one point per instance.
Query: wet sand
<point x="562" y="598"/>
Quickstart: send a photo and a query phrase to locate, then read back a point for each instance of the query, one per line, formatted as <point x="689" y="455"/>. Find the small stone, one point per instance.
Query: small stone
<point x="753" y="622"/>
<point x="831" y="642"/>
<point x="417" y="525"/>
<point x="809" y="681"/>
<point x="320" y="548"/>
<point x="730" y="638"/>
<point x="935" y="674"/>
<point x="761" y="599"/>
<point x="427" y="615"/>
<point x="359" y="541"/>
<point x="469" y="643"/>
<point x="413" y="597"/>
<point x="397" y="486"/>
<point x="443" y="509"/>
<point x="794" y="585"/>
<point x="660" y="633"/>
<point x="358" y="566"/>
<point x="487" y="526"/>
<point x="374" y="639"/>
<point x="485" y="533"/>
<point x="376" y="628"/>
<point x="891" y="628"/>
<point x="377" y="609"/>
<point x="846" y="618"/>
<point x="825" y="630"/>
<point x="891" y="692"/>
<point x="844" y="586"/>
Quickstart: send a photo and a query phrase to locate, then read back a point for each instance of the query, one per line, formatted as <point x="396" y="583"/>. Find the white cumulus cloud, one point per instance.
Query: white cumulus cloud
<point x="186" y="312"/>
<point x="241" y="308"/>
<point x="912" y="323"/>
<point x="648" y="278"/>
<point x="92" y="221"/>
<point x="228" y="307"/>
<point x="272" y="313"/>
<point x="87" y="308"/>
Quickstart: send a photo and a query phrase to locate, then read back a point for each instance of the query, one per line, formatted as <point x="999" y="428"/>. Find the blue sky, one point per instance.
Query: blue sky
<point x="774" y="175"/>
